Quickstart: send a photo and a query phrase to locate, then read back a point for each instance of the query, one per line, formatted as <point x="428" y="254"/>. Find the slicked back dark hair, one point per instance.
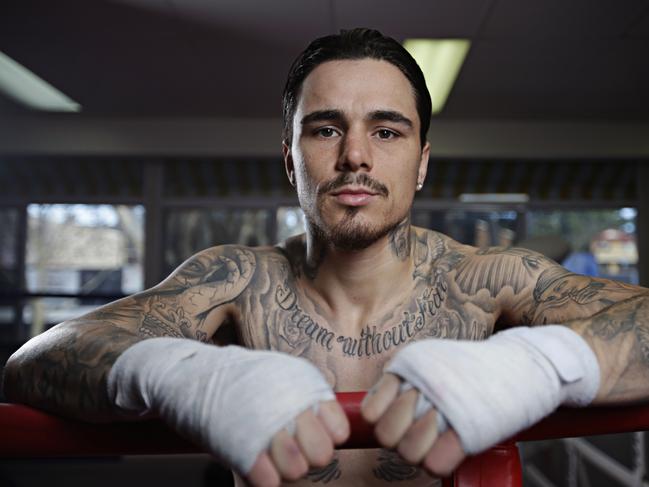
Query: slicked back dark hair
<point x="355" y="44"/>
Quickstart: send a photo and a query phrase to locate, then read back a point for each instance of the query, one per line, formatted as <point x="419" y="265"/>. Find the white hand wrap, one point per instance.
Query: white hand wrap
<point x="228" y="399"/>
<point x="490" y="390"/>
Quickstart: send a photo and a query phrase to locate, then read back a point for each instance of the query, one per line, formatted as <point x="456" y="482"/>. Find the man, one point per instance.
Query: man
<point x="361" y="289"/>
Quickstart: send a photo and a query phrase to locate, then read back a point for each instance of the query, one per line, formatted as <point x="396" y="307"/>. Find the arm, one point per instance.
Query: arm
<point x="490" y="390"/>
<point x="619" y="336"/>
<point x="611" y="316"/>
<point x="64" y="370"/>
<point x="142" y="355"/>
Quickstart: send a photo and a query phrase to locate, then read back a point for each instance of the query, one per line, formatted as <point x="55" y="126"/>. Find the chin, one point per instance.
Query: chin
<point x="353" y="232"/>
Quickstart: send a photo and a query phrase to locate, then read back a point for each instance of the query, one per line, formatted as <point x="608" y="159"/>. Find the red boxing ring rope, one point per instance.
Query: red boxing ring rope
<point x="29" y="433"/>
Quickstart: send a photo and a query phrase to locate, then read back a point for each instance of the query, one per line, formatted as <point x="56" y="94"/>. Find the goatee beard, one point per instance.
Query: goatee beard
<point x="351" y="236"/>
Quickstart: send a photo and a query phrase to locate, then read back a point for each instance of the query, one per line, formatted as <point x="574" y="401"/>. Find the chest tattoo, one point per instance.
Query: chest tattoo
<point x="296" y="326"/>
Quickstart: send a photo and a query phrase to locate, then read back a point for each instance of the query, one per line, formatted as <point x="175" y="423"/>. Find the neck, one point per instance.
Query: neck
<point x="356" y="283"/>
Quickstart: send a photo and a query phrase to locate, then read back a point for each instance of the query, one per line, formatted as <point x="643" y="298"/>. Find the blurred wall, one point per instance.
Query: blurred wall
<point x="78" y="135"/>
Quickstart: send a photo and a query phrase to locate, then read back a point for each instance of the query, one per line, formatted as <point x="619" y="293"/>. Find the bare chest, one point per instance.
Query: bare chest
<point x="353" y="357"/>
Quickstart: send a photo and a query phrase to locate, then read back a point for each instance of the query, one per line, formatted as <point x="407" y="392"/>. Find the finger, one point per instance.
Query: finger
<point x="397" y="419"/>
<point x="419" y="438"/>
<point x="379" y="398"/>
<point x="287" y="456"/>
<point x="313" y="439"/>
<point x="335" y="421"/>
<point x="263" y="473"/>
<point x="445" y="455"/>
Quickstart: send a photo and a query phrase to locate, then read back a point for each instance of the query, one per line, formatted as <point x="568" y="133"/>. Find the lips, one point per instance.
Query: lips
<point x="354" y="196"/>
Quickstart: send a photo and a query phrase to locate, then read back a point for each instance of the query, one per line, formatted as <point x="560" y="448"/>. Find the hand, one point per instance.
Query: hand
<point x="240" y="400"/>
<point x="290" y="457"/>
<point x="417" y="441"/>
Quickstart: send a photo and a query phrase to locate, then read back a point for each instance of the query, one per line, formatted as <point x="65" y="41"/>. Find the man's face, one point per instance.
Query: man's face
<point x="355" y="157"/>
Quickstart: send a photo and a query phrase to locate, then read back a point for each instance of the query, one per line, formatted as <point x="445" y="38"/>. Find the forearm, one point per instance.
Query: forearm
<point x="64" y="370"/>
<point x="619" y="336"/>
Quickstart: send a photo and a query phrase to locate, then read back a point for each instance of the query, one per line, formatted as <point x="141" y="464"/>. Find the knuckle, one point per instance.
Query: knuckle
<point x="321" y="457"/>
<point x="295" y="471"/>
<point x="369" y="412"/>
<point x="409" y="454"/>
<point x="385" y="435"/>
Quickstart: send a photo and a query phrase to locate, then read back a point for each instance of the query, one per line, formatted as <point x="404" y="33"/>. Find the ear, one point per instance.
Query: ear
<point x="288" y="163"/>
<point x="423" y="163"/>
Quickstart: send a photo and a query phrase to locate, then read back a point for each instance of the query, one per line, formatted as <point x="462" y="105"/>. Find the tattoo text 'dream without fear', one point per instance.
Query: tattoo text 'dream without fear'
<point x="370" y="342"/>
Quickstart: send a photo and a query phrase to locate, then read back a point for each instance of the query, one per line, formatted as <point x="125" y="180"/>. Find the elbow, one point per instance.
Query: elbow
<point x="10" y="380"/>
<point x="18" y="377"/>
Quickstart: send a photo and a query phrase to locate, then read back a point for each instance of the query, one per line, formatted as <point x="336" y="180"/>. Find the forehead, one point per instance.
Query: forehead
<point x="357" y="85"/>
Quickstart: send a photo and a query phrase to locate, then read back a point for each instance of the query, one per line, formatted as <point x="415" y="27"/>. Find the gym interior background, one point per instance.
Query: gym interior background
<point x="543" y="142"/>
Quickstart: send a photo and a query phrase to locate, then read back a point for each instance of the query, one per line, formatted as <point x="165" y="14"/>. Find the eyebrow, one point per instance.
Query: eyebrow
<point x="376" y="115"/>
<point x="390" y="116"/>
<point x="322" y="116"/>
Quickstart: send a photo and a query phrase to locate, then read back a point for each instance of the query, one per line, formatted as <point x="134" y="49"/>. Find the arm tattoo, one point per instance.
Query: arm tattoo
<point x="495" y="268"/>
<point x="560" y="295"/>
<point x="180" y="306"/>
<point x="64" y="370"/>
<point x="535" y="289"/>
<point x="71" y="374"/>
<point x="630" y="316"/>
<point x="619" y="336"/>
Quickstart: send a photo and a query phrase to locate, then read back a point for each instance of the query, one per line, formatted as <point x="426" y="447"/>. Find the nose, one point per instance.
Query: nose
<point x="355" y="152"/>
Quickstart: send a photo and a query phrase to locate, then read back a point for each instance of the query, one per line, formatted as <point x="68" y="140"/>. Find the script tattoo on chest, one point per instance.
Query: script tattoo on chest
<point x="435" y="308"/>
<point x="298" y="324"/>
<point x="373" y="342"/>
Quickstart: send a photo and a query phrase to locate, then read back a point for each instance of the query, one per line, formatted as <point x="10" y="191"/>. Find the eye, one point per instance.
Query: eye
<point x="386" y="134"/>
<point x="326" y="132"/>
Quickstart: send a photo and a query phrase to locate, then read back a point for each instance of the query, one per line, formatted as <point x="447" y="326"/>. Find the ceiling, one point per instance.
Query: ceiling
<point x="530" y="59"/>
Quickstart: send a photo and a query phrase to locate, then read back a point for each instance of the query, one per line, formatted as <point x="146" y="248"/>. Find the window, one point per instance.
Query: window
<point x="77" y="250"/>
<point x="290" y="222"/>
<point x="601" y="242"/>
<point x="9" y="265"/>
<point x="188" y="231"/>
<point x="473" y="226"/>
<point x="84" y="249"/>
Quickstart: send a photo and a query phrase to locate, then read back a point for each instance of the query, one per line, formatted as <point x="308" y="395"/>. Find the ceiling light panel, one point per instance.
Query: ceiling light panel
<point x="441" y="61"/>
<point x="23" y="86"/>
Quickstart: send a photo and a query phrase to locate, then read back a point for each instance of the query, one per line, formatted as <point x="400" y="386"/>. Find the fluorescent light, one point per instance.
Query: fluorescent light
<point x="440" y="60"/>
<point x="25" y="87"/>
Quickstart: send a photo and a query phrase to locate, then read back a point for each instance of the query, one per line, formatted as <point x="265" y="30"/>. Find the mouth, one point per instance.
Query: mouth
<point x="354" y="196"/>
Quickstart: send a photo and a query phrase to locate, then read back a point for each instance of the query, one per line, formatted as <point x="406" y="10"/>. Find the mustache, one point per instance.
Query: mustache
<point x="362" y="179"/>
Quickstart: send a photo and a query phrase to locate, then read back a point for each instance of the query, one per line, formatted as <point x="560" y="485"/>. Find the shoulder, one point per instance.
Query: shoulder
<point x="473" y="269"/>
<point x="293" y="251"/>
<point x="498" y="268"/>
<point x="215" y="263"/>
<point x="434" y="250"/>
<point x="233" y="265"/>
<point x="429" y="245"/>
